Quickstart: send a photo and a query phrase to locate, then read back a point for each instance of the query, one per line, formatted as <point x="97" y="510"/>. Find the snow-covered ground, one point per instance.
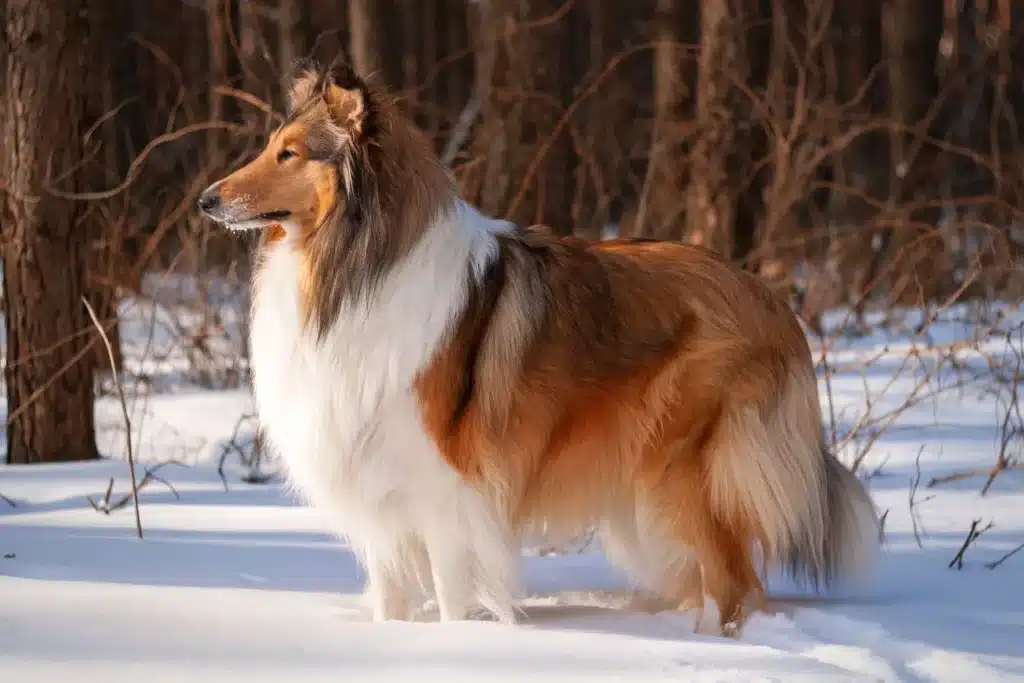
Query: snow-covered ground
<point x="245" y="585"/>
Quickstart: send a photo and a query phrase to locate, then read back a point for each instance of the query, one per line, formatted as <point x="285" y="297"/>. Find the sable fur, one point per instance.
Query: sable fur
<point x="441" y="384"/>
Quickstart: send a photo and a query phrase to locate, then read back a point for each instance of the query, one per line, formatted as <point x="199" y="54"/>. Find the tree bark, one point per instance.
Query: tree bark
<point x="216" y="42"/>
<point x="717" y="204"/>
<point x="710" y="208"/>
<point x="526" y="175"/>
<point x="911" y="30"/>
<point x="363" y="22"/>
<point x="663" y="198"/>
<point x="107" y="260"/>
<point x="49" y="370"/>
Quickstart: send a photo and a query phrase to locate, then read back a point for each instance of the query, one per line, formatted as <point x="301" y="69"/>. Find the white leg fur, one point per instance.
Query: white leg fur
<point x="387" y="587"/>
<point x="343" y="417"/>
<point x="451" y="572"/>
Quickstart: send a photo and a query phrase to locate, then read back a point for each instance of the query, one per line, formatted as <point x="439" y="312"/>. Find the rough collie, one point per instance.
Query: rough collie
<point x="441" y="384"/>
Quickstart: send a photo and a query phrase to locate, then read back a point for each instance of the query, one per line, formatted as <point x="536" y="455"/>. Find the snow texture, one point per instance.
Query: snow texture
<point x="244" y="584"/>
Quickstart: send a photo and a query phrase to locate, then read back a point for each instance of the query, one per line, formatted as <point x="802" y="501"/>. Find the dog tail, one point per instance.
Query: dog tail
<point x="771" y="469"/>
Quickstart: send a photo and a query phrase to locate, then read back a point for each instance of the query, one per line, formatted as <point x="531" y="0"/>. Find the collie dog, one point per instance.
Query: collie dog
<point x="442" y="385"/>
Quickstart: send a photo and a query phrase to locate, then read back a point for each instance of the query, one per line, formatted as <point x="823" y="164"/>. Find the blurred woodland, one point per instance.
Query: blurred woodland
<point x="862" y="154"/>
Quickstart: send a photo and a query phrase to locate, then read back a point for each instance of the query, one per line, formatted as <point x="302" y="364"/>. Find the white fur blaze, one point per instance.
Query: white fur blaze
<point x="342" y="414"/>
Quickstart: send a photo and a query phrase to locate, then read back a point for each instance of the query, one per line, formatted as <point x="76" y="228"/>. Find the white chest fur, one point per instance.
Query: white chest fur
<point x="342" y="415"/>
<point x="340" y="412"/>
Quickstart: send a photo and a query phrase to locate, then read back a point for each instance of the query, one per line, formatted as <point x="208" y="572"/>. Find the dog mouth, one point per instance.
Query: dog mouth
<point x="273" y="215"/>
<point x="260" y="220"/>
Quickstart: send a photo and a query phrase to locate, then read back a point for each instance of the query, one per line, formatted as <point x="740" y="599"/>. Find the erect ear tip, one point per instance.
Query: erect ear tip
<point x="343" y="74"/>
<point x="305" y="68"/>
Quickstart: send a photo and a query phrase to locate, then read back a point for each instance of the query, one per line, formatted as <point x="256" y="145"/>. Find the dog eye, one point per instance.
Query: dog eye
<point x="284" y="155"/>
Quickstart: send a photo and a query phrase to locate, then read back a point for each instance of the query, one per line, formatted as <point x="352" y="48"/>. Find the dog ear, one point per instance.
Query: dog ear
<point x="307" y="79"/>
<point x="347" y="97"/>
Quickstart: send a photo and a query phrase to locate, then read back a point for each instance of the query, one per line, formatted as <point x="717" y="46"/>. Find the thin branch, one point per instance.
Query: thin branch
<point x="1004" y="558"/>
<point x="104" y="504"/>
<point x="232" y="446"/>
<point x="133" y="170"/>
<point x="462" y="129"/>
<point x="148" y="477"/>
<point x="972" y="535"/>
<point x="970" y="474"/>
<point x="915" y="518"/>
<point x="124" y="411"/>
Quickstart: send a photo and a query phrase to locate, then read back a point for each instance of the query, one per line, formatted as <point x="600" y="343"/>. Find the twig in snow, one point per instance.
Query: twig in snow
<point x="991" y="472"/>
<point x="1011" y="426"/>
<point x="254" y="476"/>
<point x="972" y="535"/>
<point x="106" y="506"/>
<point x="8" y="501"/>
<point x="150" y="475"/>
<point x="1004" y="558"/>
<point x="915" y="518"/>
<point x="124" y="411"/>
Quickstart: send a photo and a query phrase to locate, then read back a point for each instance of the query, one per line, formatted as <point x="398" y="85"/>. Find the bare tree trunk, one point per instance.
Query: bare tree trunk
<point x="363" y="22"/>
<point x="526" y="176"/>
<point x="455" y="95"/>
<point x="662" y="206"/>
<point x="218" y="67"/>
<point x="287" y="42"/>
<point x="718" y="162"/>
<point x="106" y="257"/>
<point x="49" y="368"/>
<point x="911" y="30"/>
<point x="612" y="125"/>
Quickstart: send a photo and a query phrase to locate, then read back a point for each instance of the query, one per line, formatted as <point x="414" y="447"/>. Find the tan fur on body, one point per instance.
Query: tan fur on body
<point x="596" y="380"/>
<point x="649" y="389"/>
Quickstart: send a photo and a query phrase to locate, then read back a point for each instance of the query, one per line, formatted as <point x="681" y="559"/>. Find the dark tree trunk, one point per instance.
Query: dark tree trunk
<point x="49" y="370"/>
<point x="526" y="175"/>
<point x="217" y="45"/>
<point x="718" y="199"/>
<point x="663" y="198"/>
<point x="453" y="88"/>
<point x="364" y="21"/>
<point x="107" y="262"/>
<point x="711" y="202"/>
<point x="911" y="30"/>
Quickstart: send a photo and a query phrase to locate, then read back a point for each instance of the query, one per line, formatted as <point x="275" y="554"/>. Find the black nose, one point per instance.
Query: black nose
<point x="209" y="201"/>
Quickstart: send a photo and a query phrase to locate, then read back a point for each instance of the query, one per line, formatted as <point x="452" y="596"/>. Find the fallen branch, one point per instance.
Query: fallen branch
<point x="990" y="472"/>
<point x="124" y="413"/>
<point x="1004" y="558"/>
<point x="972" y="535"/>
<point x="8" y="501"/>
